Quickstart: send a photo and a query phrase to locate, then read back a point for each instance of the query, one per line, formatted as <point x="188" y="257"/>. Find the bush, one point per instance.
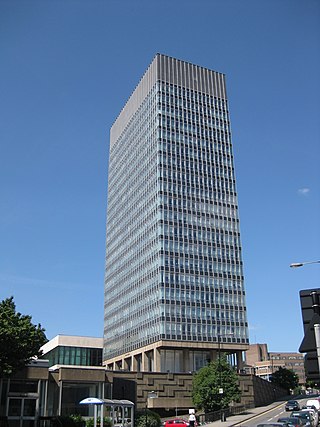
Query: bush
<point x="107" y="422"/>
<point x="147" y="419"/>
<point x="77" y="418"/>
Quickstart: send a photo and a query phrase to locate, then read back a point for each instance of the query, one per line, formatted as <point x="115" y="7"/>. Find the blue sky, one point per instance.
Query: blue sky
<point x="67" y="68"/>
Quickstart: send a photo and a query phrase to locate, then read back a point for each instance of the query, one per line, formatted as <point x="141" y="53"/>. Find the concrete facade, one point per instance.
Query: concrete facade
<point x="72" y="341"/>
<point x="150" y="355"/>
<point x="58" y="391"/>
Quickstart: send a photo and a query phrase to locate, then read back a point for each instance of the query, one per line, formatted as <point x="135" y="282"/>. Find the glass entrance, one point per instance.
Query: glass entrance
<point x="22" y="411"/>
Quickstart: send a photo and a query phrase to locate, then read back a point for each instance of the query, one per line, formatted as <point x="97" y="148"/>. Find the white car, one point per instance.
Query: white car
<point x="313" y="413"/>
<point x="313" y="402"/>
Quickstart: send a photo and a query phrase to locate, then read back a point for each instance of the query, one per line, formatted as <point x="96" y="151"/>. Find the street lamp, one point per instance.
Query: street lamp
<point x="301" y="264"/>
<point x="222" y="414"/>
<point x="219" y="336"/>
<point x="150" y="395"/>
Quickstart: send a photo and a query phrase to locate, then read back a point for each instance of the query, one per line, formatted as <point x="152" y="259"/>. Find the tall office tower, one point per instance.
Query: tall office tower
<point x="174" y="293"/>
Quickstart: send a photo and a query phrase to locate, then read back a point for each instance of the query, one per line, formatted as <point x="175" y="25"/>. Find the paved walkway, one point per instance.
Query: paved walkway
<point x="237" y="420"/>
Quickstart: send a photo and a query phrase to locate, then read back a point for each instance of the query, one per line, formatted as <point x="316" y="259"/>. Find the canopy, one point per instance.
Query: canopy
<point x="108" y="402"/>
<point x="114" y="402"/>
<point x="92" y="401"/>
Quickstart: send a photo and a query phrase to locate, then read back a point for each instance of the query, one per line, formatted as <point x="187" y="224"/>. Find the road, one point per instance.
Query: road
<point x="270" y="416"/>
<point x="258" y="415"/>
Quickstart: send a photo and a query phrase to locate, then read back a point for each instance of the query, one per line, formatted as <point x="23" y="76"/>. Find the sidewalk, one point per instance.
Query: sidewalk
<point x="237" y="420"/>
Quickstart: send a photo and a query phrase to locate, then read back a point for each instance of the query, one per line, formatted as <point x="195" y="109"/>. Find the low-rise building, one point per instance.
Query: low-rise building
<point x="56" y="384"/>
<point x="73" y="350"/>
<point x="263" y="363"/>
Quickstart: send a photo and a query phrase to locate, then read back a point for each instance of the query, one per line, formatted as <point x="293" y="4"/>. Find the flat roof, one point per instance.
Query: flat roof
<point x="72" y="341"/>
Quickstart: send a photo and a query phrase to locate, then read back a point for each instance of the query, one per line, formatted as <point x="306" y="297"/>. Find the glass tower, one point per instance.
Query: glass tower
<point x="174" y="291"/>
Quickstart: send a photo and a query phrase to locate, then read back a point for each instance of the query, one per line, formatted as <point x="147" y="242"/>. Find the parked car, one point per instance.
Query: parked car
<point x="292" y="405"/>
<point x="314" y="414"/>
<point x="305" y="416"/>
<point x="291" y="421"/>
<point x="272" y="425"/>
<point x="177" y="422"/>
<point x="311" y="407"/>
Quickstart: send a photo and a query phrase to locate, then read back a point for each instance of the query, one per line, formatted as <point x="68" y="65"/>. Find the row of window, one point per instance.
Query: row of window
<point x="136" y="280"/>
<point x="191" y="95"/>
<point x="195" y="198"/>
<point x="65" y="355"/>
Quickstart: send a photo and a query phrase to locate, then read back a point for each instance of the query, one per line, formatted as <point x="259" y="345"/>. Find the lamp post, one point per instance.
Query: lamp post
<point x="150" y="395"/>
<point x="220" y="377"/>
<point x="222" y="414"/>
<point x="301" y="264"/>
<point x="219" y="366"/>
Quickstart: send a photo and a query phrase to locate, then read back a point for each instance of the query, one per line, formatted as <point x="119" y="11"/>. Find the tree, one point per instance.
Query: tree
<point x="285" y="378"/>
<point x="215" y="386"/>
<point x="147" y="418"/>
<point x="20" y="340"/>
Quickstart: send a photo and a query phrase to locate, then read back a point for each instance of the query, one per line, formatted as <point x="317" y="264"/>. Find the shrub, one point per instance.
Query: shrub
<point x="147" y="419"/>
<point x="77" y="418"/>
<point x="107" y="422"/>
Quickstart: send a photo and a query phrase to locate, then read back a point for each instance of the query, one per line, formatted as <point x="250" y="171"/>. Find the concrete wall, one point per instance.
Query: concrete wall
<point x="174" y="390"/>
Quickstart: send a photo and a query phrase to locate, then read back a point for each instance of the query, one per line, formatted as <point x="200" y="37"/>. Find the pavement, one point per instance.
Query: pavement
<point x="238" y="420"/>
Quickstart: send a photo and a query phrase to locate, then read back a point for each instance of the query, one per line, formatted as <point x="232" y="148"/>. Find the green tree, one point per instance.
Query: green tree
<point x="20" y="340"/>
<point x="215" y="386"/>
<point x="285" y="378"/>
<point x="147" y="418"/>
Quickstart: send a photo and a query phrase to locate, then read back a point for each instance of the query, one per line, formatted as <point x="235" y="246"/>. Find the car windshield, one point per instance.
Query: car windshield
<point x="290" y="420"/>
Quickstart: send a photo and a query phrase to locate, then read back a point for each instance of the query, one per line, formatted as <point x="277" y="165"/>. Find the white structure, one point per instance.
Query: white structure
<point x="73" y="350"/>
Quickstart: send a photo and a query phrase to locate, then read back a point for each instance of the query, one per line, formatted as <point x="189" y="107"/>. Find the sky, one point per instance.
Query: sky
<point x="66" y="69"/>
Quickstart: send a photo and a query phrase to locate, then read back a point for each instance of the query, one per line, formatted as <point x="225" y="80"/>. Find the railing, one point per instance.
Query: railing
<point x="222" y="414"/>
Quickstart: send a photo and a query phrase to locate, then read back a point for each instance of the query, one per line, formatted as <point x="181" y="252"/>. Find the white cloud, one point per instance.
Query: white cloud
<point x="304" y="191"/>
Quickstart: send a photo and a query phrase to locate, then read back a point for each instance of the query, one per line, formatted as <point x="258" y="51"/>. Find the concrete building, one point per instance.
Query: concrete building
<point x="265" y="363"/>
<point x="174" y="286"/>
<point x="44" y="390"/>
<point x="73" y="350"/>
<point x="37" y="394"/>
